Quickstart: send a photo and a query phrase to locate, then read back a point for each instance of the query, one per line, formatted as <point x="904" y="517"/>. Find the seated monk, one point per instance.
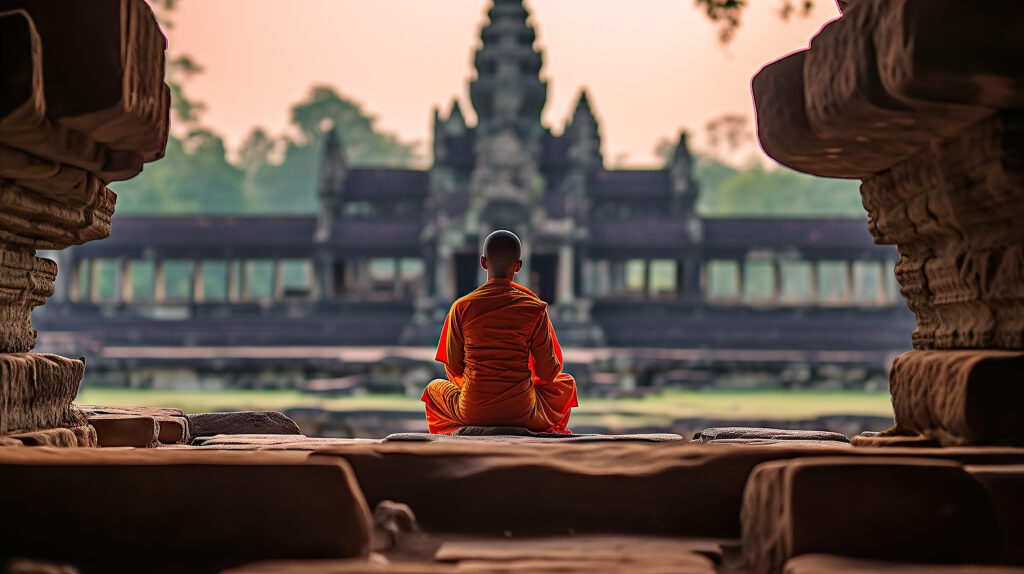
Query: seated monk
<point x="499" y="350"/>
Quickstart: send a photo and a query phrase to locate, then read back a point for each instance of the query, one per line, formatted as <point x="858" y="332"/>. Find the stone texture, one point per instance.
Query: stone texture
<point x="878" y="440"/>
<point x="48" y="437"/>
<point x="960" y="397"/>
<point x="174" y="427"/>
<point x="954" y="212"/>
<point x="25" y="283"/>
<point x="830" y="564"/>
<point x="725" y="433"/>
<point x="82" y="103"/>
<point x="882" y="508"/>
<point x="245" y="422"/>
<point x="36" y="391"/>
<point x="231" y="507"/>
<point x="126" y="106"/>
<point x="922" y="101"/>
<point x="125" y="430"/>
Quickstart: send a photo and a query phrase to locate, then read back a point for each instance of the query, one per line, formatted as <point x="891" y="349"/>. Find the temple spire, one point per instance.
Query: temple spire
<point x="508" y="90"/>
<point x="584" y="131"/>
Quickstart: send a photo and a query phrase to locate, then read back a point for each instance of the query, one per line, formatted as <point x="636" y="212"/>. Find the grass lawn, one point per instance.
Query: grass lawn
<point x="733" y="404"/>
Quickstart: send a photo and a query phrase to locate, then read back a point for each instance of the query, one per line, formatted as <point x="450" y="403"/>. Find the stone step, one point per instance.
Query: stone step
<point x="117" y="506"/>
<point x="830" y="564"/>
<point x="888" y="508"/>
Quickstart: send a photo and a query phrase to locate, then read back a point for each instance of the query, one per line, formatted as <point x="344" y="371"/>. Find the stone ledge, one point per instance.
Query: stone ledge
<point x="873" y="507"/>
<point x="36" y="391"/>
<point x="960" y="397"/>
<point x="230" y="508"/>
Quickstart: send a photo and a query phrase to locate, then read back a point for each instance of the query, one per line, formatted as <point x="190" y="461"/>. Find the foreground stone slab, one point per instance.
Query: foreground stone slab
<point x="240" y="506"/>
<point x="246" y="422"/>
<point x="125" y="430"/>
<point x="960" y="397"/>
<point x="1005" y="484"/>
<point x="829" y="564"/>
<point x="882" y="508"/>
<point x="273" y="442"/>
<point x="608" y="548"/>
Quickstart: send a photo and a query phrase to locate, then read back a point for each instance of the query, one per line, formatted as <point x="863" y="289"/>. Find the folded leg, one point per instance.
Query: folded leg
<point x="555" y="400"/>
<point x="442" y="405"/>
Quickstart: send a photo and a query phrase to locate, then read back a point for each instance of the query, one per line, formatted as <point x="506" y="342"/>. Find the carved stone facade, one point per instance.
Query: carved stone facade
<point x="908" y="97"/>
<point x="83" y="103"/>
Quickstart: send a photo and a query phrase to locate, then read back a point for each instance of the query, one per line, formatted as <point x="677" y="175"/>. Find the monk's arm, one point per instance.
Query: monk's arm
<point x="455" y="363"/>
<point x="542" y="347"/>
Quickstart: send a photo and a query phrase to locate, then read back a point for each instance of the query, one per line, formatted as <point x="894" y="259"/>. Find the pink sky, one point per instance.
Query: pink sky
<point x="653" y="67"/>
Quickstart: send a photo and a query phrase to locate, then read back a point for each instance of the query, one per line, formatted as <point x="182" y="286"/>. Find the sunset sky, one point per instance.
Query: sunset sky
<point x="652" y="67"/>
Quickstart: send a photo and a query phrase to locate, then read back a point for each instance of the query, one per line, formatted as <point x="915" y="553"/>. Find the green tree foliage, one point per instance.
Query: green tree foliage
<point x="290" y="185"/>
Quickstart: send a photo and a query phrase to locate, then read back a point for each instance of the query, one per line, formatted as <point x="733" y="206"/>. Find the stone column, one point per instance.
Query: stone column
<point x="94" y="281"/>
<point x="278" y="286"/>
<point x="198" y="283"/>
<point x="646" y="286"/>
<point x="159" y="281"/>
<point x="126" y="290"/>
<point x="618" y="278"/>
<point x="398" y="287"/>
<point x="777" y="279"/>
<point x="243" y="280"/>
<point x="937" y="142"/>
<point x="813" y="288"/>
<point x="741" y="280"/>
<point x="231" y="283"/>
<point x="566" y="289"/>
<point x="850" y="284"/>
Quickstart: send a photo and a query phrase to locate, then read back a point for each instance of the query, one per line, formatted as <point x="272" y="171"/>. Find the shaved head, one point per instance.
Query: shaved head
<point x="502" y="252"/>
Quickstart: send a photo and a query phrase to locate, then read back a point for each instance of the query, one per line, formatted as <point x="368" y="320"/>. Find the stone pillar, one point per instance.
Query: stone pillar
<point x="617" y="276"/>
<point x="741" y="280"/>
<point x="566" y="289"/>
<point x="398" y="287"/>
<point x="850" y="284"/>
<point x="159" y="281"/>
<point x="94" y="281"/>
<point x="937" y="142"/>
<point x="814" y="288"/>
<point x="278" y="286"/>
<point x="198" y="283"/>
<point x="65" y="280"/>
<point x="604" y="279"/>
<point x="54" y="168"/>
<point x="231" y="282"/>
<point x="777" y="278"/>
<point x="126" y="290"/>
<point x="646" y="286"/>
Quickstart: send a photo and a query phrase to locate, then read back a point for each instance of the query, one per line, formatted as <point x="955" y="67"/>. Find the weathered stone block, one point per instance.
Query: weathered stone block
<point x="116" y="48"/>
<point x="727" y="433"/>
<point x="960" y="397"/>
<point x="173" y="422"/>
<point x="35" y="221"/>
<point x="1005" y="484"/>
<point x="247" y="422"/>
<point x="125" y="430"/>
<point x="240" y="507"/>
<point x="23" y="120"/>
<point x="25" y="283"/>
<point x="36" y="391"/>
<point x="882" y="508"/>
<point x="946" y="51"/>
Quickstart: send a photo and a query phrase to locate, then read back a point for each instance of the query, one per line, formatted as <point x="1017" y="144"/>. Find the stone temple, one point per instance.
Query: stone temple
<point x="919" y="99"/>
<point x="620" y="255"/>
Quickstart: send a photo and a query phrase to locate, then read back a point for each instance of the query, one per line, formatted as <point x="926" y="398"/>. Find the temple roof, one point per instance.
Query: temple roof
<point x="378" y="184"/>
<point x="631" y="184"/>
<point x="788" y="233"/>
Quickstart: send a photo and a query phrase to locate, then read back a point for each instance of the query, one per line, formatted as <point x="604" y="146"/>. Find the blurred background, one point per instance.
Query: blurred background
<point x="334" y="165"/>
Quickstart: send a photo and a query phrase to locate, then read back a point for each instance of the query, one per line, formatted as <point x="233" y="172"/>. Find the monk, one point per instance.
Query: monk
<point x="499" y="350"/>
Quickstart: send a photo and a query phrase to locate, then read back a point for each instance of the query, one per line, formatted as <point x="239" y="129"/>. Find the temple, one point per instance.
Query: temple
<point x="621" y="255"/>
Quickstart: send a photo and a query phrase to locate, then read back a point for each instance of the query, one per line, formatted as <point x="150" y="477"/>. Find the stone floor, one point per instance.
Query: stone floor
<point x="732" y="500"/>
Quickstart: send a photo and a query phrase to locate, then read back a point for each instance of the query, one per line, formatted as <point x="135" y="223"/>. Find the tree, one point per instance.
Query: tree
<point x="727" y="13"/>
<point x="290" y="186"/>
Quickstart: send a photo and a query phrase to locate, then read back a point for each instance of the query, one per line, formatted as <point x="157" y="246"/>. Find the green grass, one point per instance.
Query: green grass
<point x="731" y="404"/>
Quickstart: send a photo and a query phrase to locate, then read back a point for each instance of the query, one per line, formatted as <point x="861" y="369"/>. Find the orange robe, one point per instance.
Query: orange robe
<point x="503" y="362"/>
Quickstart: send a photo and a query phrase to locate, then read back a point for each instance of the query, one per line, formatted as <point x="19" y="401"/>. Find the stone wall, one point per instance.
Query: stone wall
<point x="82" y="103"/>
<point x="922" y="100"/>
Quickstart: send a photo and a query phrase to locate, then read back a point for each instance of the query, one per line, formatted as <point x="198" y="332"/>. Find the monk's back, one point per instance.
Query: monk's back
<point x="498" y="322"/>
